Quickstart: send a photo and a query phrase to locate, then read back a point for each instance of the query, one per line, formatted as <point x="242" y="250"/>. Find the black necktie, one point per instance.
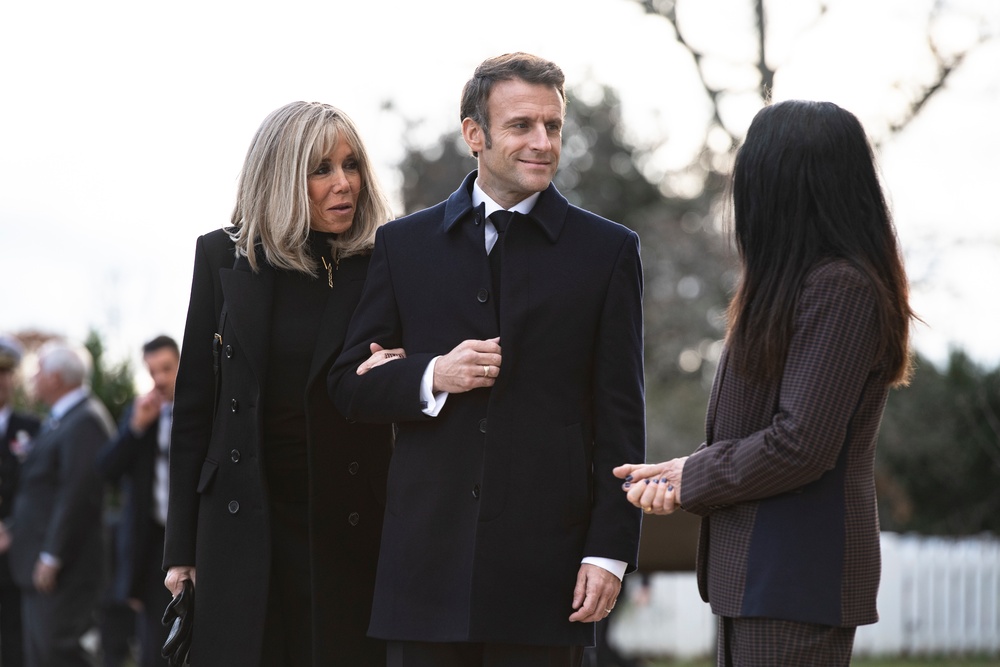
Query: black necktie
<point x="500" y="220"/>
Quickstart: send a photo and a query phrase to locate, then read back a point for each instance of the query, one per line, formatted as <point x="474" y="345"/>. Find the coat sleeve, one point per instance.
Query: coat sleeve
<point x="194" y="399"/>
<point x="831" y="356"/>
<point x="119" y="454"/>
<point x="390" y="392"/>
<point x="619" y="409"/>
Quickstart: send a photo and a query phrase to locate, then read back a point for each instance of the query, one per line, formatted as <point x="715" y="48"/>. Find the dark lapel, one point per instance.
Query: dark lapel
<point x="248" y="298"/>
<point x="713" y="399"/>
<point x="339" y="307"/>
<point x="75" y="409"/>
<point x="10" y="432"/>
<point x="48" y="437"/>
<point x="527" y="258"/>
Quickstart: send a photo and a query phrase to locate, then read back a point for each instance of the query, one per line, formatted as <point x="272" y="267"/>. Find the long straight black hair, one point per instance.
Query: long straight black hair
<point x="805" y="189"/>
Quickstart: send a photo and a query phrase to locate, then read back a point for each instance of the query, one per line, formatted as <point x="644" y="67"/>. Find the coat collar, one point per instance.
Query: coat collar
<point x="249" y="297"/>
<point x="549" y="212"/>
<point x="68" y="401"/>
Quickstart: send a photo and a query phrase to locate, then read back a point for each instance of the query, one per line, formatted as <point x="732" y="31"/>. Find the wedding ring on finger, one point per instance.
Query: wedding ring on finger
<point x="486" y="371"/>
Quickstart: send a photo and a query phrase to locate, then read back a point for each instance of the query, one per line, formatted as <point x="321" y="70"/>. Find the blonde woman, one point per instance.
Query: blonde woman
<point x="276" y="500"/>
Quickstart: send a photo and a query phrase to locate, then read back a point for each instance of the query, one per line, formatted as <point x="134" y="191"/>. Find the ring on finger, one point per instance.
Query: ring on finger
<point x="486" y="371"/>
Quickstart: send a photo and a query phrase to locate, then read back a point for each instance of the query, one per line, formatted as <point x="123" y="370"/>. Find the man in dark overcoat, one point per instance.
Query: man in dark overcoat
<point x="505" y="535"/>
<point x="137" y="456"/>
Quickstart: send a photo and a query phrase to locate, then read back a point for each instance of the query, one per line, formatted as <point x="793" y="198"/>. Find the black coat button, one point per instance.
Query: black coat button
<point x="482" y="425"/>
<point x="483" y="295"/>
<point x="235" y="405"/>
<point x="235" y="455"/>
<point x="353" y="468"/>
<point x="234" y="507"/>
<point x="475" y="492"/>
<point x="229" y="352"/>
<point x="353" y="518"/>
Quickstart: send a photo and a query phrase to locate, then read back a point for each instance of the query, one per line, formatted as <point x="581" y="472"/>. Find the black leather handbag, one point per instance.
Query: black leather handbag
<point x="179" y="617"/>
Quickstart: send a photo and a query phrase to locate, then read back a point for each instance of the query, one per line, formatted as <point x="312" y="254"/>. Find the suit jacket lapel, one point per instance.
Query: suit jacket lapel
<point x="248" y="298"/>
<point x="713" y="400"/>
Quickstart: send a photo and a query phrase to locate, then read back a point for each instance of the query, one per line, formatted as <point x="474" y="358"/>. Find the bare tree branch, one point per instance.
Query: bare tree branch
<point x="766" y="73"/>
<point x="668" y="10"/>
<point x="946" y="66"/>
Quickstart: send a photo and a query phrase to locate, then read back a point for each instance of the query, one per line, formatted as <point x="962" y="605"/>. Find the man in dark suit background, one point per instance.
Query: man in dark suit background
<point x="16" y="430"/>
<point x="505" y="536"/>
<point x="56" y="552"/>
<point x="138" y="456"/>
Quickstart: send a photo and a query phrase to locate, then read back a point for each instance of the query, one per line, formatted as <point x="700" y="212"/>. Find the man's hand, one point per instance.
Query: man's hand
<point x="595" y="594"/>
<point x="145" y="411"/>
<point x="176" y="575"/>
<point x="471" y="365"/>
<point x="380" y="356"/>
<point x="4" y="539"/>
<point x="44" y="577"/>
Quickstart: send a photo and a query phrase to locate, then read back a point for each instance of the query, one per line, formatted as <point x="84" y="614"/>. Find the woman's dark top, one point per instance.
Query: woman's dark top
<point x="299" y="300"/>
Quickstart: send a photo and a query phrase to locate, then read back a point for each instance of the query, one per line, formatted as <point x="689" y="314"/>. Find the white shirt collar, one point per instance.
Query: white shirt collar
<point x="479" y="197"/>
<point x="68" y="400"/>
<point x="5" y="413"/>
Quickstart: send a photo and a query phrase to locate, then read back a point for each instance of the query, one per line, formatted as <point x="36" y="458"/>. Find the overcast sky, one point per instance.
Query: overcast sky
<point x="124" y="125"/>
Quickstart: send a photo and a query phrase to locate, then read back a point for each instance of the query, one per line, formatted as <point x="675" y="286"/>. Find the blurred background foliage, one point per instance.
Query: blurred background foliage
<point x="938" y="463"/>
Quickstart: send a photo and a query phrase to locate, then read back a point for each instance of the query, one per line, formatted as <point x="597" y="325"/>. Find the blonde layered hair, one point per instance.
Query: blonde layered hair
<point x="272" y="212"/>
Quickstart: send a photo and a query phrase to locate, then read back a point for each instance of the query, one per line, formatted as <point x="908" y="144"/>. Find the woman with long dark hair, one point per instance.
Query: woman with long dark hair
<point x="818" y="333"/>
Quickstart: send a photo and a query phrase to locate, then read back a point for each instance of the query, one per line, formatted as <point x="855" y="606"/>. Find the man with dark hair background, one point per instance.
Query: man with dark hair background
<point x="137" y="456"/>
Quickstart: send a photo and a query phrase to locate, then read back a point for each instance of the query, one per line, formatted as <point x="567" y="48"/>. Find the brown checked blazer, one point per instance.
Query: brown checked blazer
<point x="784" y="482"/>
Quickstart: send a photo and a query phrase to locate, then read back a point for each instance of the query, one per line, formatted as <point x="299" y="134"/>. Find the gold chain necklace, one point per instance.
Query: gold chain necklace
<point x="330" y="268"/>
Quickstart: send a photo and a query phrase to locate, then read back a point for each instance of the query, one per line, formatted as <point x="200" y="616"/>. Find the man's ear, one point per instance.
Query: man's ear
<point x="473" y="134"/>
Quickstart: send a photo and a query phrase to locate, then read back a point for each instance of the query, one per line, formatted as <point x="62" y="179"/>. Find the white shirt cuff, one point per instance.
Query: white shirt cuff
<point x="49" y="559"/>
<point x="431" y="402"/>
<point x="615" y="567"/>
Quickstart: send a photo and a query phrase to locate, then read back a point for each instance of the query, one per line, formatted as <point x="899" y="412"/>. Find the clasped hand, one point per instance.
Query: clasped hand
<point x="471" y="365"/>
<point x="380" y="355"/>
<point x="653" y="487"/>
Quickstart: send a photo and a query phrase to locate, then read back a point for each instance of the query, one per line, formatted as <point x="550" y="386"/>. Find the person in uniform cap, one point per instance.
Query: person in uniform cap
<point x="16" y="430"/>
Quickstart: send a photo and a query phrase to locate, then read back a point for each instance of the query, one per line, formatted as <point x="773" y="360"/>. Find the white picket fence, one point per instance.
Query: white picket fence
<point x="938" y="596"/>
